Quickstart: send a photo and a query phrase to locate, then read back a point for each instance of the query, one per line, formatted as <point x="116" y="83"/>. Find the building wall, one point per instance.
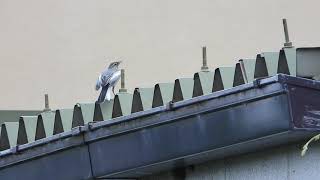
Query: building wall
<point x="60" y="46"/>
<point x="281" y="163"/>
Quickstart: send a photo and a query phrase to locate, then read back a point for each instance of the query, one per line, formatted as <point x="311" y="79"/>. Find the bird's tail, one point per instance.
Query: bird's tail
<point x="98" y="83"/>
<point x="103" y="93"/>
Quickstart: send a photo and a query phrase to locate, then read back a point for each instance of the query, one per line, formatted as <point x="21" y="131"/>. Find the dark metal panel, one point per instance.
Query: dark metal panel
<point x="306" y="108"/>
<point x="71" y="164"/>
<point x="229" y="151"/>
<point x="191" y="135"/>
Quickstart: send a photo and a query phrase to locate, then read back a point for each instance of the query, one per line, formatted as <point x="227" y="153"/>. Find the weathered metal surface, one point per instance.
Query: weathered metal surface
<point x="163" y="93"/>
<point x="285" y="62"/>
<point x="203" y="82"/>
<point x="301" y="62"/>
<point x="142" y="99"/>
<point x="122" y="105"/>
<point x="8" y="135"/>
<point x="103" y="111"/>
<point x="308" y="62"/>
<point x="229" y="122"/>
<point x="68" y="164"/>
<point x="82" y="114"/>
<point x="223" y="78"/>
<point x="13" y="115"/>
<point x="62" y="120"/>
<point x="27" y="128"/>
<point x="47" y="119"/>
<point x="225" y="124"/>
<point x="183" y="88"/>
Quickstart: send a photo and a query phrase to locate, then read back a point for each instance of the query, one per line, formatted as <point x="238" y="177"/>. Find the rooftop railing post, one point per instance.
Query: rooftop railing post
<point x="46" y="103"/>
<point x="123" y="88"/>
<point x="204" y="59"/>
<point x="287" y="43"/>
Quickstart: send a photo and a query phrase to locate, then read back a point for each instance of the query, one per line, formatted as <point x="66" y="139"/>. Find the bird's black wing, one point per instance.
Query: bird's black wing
<point x="103" y="93"/>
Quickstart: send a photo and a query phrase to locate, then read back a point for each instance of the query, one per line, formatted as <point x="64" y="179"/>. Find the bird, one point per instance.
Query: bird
<point x="107" y="80"/>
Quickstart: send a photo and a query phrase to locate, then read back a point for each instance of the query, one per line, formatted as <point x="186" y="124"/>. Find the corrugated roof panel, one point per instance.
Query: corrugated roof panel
<point x="40" y="130"/>
<point x="271" y="59"/>
<point x="62" y="120"/>
<point x="223" y="78"/>
<point x="27" y="129"/>
<point x="122" y="104"/>
<point x="261" y="69"/>
<point x="183" y="89"/>
<point x="31" y="128"/>
<point x="142" y="99"/>
<point x="291" y="56"/>
<point x="13" y="115"/>
<point x="287" y="63"/>
<point x="249" y="65"/>
<point x="108" y="139"/>
<point x="48" y="122"/>
<point x="87" y="111"/>
<point x="82" y="114"/>
<point x="163" y="93"/>
<point x="239" y="77"/>
<point x="4" y="140"/>
<point x="9" y="135"/>
<point x="103" y="111"/>
<point x="203" y="82"/>
<point x="308" y="62"/>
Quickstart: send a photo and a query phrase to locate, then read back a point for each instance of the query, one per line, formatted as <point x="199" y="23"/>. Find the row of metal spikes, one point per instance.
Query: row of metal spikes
<point x="32" y="128"/>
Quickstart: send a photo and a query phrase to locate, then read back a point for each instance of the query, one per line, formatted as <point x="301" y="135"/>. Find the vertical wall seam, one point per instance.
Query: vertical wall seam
<point x="288" y="164"/>
<point x="89" y="155"/>
<point x="225" y="169"/>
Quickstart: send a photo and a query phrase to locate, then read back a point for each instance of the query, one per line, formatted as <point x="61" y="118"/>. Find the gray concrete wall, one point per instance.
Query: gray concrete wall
<point x="282" y="163"/>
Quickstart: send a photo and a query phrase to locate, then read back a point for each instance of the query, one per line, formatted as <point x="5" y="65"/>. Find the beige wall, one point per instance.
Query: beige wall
<point x="60" y="46"/>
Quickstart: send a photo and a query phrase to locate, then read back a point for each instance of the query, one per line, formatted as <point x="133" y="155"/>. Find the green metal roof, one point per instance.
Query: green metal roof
<point x="13" y="115"/>
<point x="122" y="104"/>
<point x="142" y="99"/>
<point x="223" y="78"/>
<point x="203" y="83"/>
<point x="163" y="93"/>
<point x="27" y="126"/>
<point x="183" y="89"/>
<point x="62" y="120"/>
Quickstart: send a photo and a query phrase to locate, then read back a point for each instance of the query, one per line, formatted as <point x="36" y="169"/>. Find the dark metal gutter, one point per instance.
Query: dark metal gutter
<point x="246" y="118"/>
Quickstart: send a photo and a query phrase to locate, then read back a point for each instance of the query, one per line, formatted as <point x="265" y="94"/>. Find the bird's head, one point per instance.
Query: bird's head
<point x="114" y="64"/>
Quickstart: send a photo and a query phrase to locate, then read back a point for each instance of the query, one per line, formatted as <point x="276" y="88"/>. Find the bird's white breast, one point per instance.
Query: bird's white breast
<point x="115" y="78"/>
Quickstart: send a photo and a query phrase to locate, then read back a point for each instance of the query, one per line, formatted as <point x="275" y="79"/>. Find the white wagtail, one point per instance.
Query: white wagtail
<point x="107" y="80"/>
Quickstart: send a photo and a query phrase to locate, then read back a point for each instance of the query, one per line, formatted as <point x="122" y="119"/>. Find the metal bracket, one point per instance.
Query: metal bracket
<point x="15" y="149"/>
<point x="78" y="130"/>
<point x="170" y="106"/>
<point x="89" y="125"/>
<point x="257" y="83"/>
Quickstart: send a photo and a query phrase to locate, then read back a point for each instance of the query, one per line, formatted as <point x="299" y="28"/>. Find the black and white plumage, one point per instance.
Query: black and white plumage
<point x="107" y="81"/>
